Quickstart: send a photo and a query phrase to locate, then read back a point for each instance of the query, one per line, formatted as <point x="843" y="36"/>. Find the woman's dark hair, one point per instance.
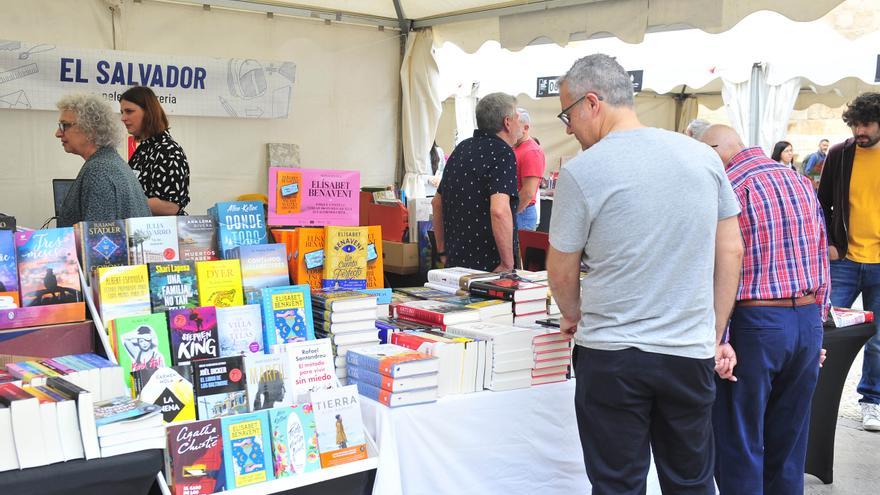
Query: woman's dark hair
<point x="155" y="121"/>
<point x="863" y="110"/>
<point x="778" y="149"/>
<point x="435" y="158"/>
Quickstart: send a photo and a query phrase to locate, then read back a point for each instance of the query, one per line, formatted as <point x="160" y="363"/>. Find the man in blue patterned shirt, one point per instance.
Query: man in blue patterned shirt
<point x="474" y="205"/>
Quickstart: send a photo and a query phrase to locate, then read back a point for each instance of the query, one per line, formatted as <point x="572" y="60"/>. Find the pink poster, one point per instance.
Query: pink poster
<point x="311" y="197"/>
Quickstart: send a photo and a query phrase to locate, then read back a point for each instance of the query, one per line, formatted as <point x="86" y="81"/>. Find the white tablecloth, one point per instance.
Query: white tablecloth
<point x="518" y="442"/>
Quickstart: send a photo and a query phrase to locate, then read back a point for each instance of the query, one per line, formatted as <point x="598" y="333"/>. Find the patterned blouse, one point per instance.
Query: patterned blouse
<point x="162" y="169"/>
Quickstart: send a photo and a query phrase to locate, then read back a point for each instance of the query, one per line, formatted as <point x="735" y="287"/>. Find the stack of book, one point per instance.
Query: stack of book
<point x="459" y="358"/>
<point x="436" y="313"/>
<point x="509" y="354"/>
<point x="94" y="373"/>
<point x="127" y="425"/>
<point x="393" y="375"/>
<point x="456" y="280"/>
<point x="348" y="319"/>
<point x="529" y="298"/>
<point x="552" y="353"/>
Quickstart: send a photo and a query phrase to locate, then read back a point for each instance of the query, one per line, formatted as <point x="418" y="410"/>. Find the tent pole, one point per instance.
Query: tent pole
<point x="755" y="104"/>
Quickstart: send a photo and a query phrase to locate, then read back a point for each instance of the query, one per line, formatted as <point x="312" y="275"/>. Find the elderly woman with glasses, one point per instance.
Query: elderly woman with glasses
<point x="105" y="187"/>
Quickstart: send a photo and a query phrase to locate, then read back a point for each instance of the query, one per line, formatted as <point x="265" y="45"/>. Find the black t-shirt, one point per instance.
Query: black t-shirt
<point x="478" y="168"/>
<point x="162" y="169"/>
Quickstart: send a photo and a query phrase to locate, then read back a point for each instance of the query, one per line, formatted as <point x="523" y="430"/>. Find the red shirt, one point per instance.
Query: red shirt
<point x="529" y="163"/>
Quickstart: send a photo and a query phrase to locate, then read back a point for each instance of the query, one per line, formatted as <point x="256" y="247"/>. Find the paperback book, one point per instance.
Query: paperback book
<point x="266" y="377"/>
<point x="48" y="270"/>
<point x="240" y="329"/>
<point x="341" y="437"/>
<point x="309" y="365"/>
<point x="152" y="239"/>
<point x="247" y="449"/>
<point x="345" y="258"/>
<point x="219" y="283"/>
<point x="294" y="440"/>
<point x="195" y="455"/>
<point x="170" y="388"/>
<point x="193" y="334"/>
<point x="197" y="238"/>
<point x="220" y="387"/>
<point x="8" y="271"/>
<point x="101" y="243"/>
<point x="173" y="285"/>
<point x="262" y="265"/>
<point x="287" y="314"/>
<point x="375" y="265"/>
<point x="141" y="343"/>
<point x="309" y="256"/>
<point x="239" y="223"/>
<point x="123" y="291"/>
<point x="312" y="197"/>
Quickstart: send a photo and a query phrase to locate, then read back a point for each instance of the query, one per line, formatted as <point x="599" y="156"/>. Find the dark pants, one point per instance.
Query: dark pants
<point x="631" y="402"/>
<point x="762" y="420"/>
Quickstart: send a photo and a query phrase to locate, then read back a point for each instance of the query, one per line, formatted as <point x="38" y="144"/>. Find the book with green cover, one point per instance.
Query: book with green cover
<point x="141" y="342"/>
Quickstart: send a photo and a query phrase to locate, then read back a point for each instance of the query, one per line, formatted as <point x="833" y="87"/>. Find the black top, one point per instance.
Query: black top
<point x="162" y="169"/>
<point x="834" y="193"/>
<point x="478" y="168"/>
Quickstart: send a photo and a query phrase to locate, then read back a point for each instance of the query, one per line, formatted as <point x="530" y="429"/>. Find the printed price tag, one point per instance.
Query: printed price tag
<point x="315" y="259"/>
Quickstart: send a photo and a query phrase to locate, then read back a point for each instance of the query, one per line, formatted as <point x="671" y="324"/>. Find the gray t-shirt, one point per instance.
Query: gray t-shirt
<point x="643" y="205"/>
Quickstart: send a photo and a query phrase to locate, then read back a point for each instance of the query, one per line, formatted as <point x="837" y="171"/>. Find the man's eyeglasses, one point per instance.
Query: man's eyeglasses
<point x="563" y="115"/>
<point x="64" y="126"/>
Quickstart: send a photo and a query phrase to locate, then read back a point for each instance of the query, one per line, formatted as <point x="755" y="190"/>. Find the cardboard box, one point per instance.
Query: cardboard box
<point x="400" y="257"/>
<point x="47" y="341"/>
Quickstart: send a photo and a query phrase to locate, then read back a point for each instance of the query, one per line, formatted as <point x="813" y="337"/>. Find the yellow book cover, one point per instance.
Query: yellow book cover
<point x="345" y="258"/>
<point x="123" y="291"/>
<point x="288" y="237"/>
<point x="375" y="267"/>
<point x="309" y="256"/>
<point x="219" y="283"/>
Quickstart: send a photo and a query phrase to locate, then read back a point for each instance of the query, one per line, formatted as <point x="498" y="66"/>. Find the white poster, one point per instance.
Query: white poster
<point x="36" y="76"/>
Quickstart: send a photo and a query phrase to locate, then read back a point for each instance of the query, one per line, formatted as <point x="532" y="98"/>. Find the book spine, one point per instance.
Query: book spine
<point x="496" y="293"/>
<point x="408" y="340"/>
<point x="419" y="314"/>
<point x="372" y="392"/>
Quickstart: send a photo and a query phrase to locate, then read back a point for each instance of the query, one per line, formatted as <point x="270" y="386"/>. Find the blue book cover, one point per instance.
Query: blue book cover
<point x="294" y="440"/>
<point x="247" y="449"/>
<point x="262" y="266"/>
<point x="102" y="244"/>
<point x="383" y="296"/>
<point x="8" y="271"/>
<point x="239" y="223"/>
<point x="287" y="315"/>
<point x="121" y="408"/>
<point x="240" y="329"/>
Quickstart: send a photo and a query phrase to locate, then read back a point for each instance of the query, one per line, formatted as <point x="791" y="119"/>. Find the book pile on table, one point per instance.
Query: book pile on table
<point x="509" y="355"/>
<point x="393" y="375"/>
<point x="127" y="425"/>
<point x="529" y="298"/>
<point x="348" y="319"/>
<point x="461" y="361"/>
<point x="552" y="353"/>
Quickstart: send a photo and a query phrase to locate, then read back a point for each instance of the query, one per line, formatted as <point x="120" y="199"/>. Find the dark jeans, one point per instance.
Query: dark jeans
<point x="848" y="279"/>
<point x="630" y="403"/>
<point x="762" y="420"/>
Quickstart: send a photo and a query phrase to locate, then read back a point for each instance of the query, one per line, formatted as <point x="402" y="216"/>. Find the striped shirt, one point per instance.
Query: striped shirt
<point x="783" y="230"/>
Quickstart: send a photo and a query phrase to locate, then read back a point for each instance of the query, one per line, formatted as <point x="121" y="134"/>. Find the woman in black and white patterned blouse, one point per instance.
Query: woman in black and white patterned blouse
<point x="159" y="161"/>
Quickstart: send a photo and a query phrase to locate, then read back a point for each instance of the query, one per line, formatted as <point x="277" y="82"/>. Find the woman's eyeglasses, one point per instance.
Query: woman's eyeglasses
<point x="64" y="126"/>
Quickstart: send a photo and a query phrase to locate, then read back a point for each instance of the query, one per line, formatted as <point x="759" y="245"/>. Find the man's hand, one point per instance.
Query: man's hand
<point x="822" y="355"/>
<point x="725" y="361"/>
<point x="568" y="326"/>
<point x="833" y="254"/>
<point x="502" y="268"/>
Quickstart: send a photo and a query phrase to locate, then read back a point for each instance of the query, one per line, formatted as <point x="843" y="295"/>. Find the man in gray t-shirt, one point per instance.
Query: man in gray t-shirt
<point x="653" y="217"/>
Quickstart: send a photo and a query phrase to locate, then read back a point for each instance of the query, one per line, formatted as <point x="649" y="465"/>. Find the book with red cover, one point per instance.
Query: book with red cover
<point x="508" y="289"/>
<point x="436" y="312"/>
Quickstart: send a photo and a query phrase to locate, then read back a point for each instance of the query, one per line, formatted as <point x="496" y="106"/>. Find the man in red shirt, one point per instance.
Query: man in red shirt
<point x="529" y="171"/>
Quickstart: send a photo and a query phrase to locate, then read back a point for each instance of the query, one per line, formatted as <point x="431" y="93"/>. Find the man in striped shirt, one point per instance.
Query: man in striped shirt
<point x="762" y="420"/>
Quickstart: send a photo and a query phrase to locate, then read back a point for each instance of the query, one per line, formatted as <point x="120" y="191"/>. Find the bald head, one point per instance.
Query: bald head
<point x="724" y="140"/>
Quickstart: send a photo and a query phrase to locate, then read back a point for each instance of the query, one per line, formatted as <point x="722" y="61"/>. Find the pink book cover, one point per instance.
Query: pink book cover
<point x="312" y="197"/>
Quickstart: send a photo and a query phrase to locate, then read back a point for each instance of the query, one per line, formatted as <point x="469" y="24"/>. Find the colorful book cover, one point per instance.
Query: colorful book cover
<point x="239" y="223"/>
<point x="309" y="366"/>
<point x="340" y="428"/>
<point x="247" y="448"/>
<point x="313" y="197"/>
<point x="193" y="334"/>
<point x="170" y="388"/>
<point x="294" y="440"/>
<point x="195" y="452"/>
<point x="375" y="266"/>
<point x="240" y="329"/>
<point x="8" y="271"/>
<point x="120" y="409"/>
<point x="197" y="238"/>
<point x="220" y="387"/>
<point x="287" y="315"/>
<point x="48" y="270"/>
<point x="123" y="291"/>
<point x="266" y="377"/>
<point x="141" y="342"/>
<point x="345" y="258"/>
<point x="392" y="360"/>
<point x="152" y="239"/>
<point x="219" y="283"/>
<point x="309" y="256"/>
<point x="173" y="285"/>
<point x="102" y="244"/>
<point x="288" y="238"/>
<point x="262" y="265"/>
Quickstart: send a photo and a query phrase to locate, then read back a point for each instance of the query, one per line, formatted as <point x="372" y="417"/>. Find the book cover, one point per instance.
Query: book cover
<point x="345" y="258"/>
<point x="219" y="283"/>
<point x="262" y="265"/>
<point x="48" y="270"/>
<point x="193" y="334"/>
<point x="313" y="197"/>
<point x="121" y="409"/>
<point x="102" y="244"/>
<point x="240" y="329"/>
<point x="220" y="387"/>
<point x="375" y="265"/>
<point x="294" y="440"/>
<point x="8" y="271"/>
<point x="392" y="360"/>
<point x="195" y="452"/>
<point x="247" y="449"/>
<point x="141" y="342"/>
<point x="170" y="388"/>
<point x="437" y="312"/>
<point x="152" y="239"/>
<point x="266" y="377"/>
<point x="340" y="428"/>
<point x="239" y="223"/>
<point x="288" y="238"/>
<point x="197" y="238"/>
<point x="309" y="256"/>
<point x="123" y="291"/>
<point x="287" y="315"/>
<point x="310" y="366"/>
<point x="173" y="285"/>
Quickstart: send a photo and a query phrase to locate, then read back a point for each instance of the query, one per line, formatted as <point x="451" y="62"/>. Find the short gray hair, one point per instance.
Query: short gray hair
<point x="491" y="111"/>
<point x="696" y="128"/>
<point x="524" y="116"/>
<point x="94" y="116"/>
<point x="600" y="74"/>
